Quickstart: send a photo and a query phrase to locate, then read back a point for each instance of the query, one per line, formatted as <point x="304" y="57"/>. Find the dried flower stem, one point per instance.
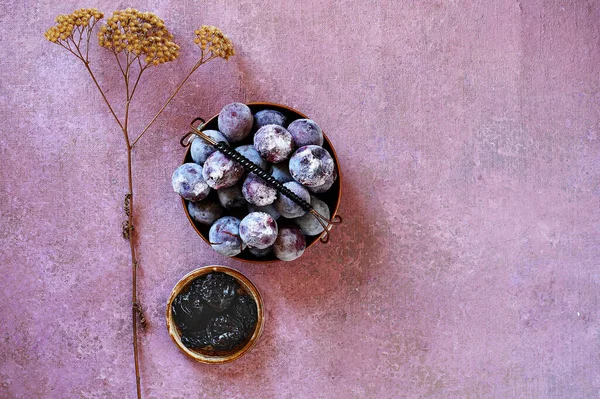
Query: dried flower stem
<point x="198" y="64"/>
<point x="136" y="309"/>
<point x="87" y="66"/>
<point x="143" y="39"/>
<point x="134" y="266"/>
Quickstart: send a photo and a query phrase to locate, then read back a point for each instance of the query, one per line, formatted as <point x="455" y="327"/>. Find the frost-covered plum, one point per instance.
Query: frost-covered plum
<point x="305" y="132"/>
<point x="281" y="172"/>
<point x="220" y="171"/>
<point x="235" y="121"/>
<point x="308" y="223"/>
<point x="188" y="181"/>
<point x="287" y="207"/>
<point x="269" y="117"/>
<point x="311" y="166"/>
<point x="273" y="143"/>
<point x="232" y="197"/>
<point x="205" y="211"/>
<point x="325" y="186"/>
<point x="290" y="243"/>
<point x="270" y="209"/>
<point x="261" y="253"/>
<point x="224" y="236"/>
<point x="218" y="290"/>
<point x="258" y="230"/>
<point x="250" y="152"/>
<point x="257" y="192"/>
<point x="201" y="149"/>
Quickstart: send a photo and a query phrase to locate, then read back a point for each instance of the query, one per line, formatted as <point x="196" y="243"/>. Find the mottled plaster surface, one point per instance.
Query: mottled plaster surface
<point x="468" y="263"/>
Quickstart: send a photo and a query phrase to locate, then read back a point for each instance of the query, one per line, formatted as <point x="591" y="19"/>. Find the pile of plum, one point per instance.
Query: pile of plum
<point x="215" y="314"/>
<point x="247" y="214"/>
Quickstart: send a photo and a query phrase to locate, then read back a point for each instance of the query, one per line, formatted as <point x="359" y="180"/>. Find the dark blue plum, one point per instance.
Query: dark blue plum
<point x="250" y="152"/>
<point x="232" y="197"/>
<point x="274" y="143"/>
<point x="258" y="230"/>
<point x="235" y="121"/>
<point x="281" y="172"/>
<point x="220" y="171"/>
<point x="261" y="253"/>
<point x="224" y="236"/>
<point x="257" y="192"/>
<point x="188" y="181"/>
<point x="201" y="149"/>
<point x="325" y="186"/>
<point x="270" y="209"/>
<point x="290" y="243"/>
<point x="311" y="166"/>
<point x="309" y="223"/>
<point x="205" y="211"/>
<point x="305" y="132"/>
<point x="287" y="207"/>
<point x="269" y="117"/>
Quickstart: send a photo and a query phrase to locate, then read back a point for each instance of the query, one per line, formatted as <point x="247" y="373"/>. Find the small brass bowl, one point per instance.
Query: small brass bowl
<point x="246" y="284"/>
<point x="332" y="197"/>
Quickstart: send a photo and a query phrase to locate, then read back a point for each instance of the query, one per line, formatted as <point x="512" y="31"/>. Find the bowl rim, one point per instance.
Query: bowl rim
<point x="248" y="285"/>
<point x="333" y="154"/>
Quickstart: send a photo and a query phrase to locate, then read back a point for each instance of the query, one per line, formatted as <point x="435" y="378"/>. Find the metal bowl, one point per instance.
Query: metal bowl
<point x="331" y="197"/>
<point x="246" y="284"/>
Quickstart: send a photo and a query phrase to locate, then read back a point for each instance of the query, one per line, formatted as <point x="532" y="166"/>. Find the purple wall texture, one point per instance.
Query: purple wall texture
<point x="467" y="267"/>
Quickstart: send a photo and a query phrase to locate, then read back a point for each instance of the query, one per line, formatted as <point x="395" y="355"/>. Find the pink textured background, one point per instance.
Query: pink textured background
<point x="468" y="264"/>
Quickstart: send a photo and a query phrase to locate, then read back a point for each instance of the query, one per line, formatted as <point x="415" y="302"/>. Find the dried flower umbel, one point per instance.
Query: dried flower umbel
<point x="141" y="34"/>
<point x="138" y="41"/>
<point x="73" y="25"/>
<point x="212" y="41"/>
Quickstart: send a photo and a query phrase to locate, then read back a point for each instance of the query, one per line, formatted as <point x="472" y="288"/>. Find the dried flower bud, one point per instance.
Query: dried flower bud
<point x="211" y="39"/>
<point x="66" y="25"/>
<point x="140" y="33"/>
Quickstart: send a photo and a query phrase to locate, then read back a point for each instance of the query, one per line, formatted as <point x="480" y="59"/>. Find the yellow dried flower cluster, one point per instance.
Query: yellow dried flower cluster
<point x="211" y="39"/>
<point x="66" y="24"/>
<point x="140" y="33"/>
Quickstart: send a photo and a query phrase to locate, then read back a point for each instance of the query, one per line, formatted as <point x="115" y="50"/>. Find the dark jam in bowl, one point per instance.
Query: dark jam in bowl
<point x="215" y="315"/>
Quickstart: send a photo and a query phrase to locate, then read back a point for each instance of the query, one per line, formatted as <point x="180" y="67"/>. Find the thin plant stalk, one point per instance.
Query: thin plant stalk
<point x="212" y="43"/>
<point x="128" y="228"/>
<point x="198" y="64"/>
